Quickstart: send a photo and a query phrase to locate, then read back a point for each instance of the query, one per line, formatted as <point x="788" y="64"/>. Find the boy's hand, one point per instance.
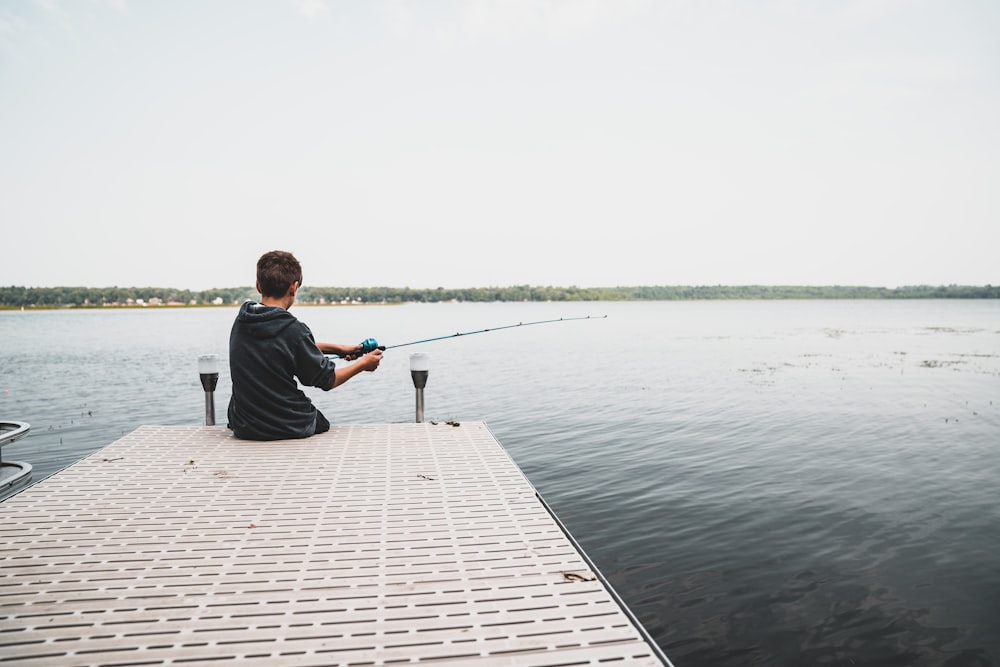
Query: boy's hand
<point x="370" y="361"/>
<point x="356" y="352"/>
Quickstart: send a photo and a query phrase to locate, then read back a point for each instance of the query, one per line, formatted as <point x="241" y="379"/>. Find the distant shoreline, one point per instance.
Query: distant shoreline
<point x="38" y="298"/>
<point x="174" y="306"/>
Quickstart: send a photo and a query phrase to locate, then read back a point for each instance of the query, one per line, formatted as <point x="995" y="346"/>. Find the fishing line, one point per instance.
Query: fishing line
<point x="370" y="344"/>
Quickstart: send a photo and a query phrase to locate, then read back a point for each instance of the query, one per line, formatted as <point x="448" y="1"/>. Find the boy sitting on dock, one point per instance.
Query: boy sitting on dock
<point x="269" y="347"/>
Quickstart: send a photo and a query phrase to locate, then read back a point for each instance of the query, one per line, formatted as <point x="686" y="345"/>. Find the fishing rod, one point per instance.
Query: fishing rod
<point x="369" y="344"/>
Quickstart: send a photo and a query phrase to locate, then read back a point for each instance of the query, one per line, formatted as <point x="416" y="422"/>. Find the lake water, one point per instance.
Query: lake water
<point x="773" y="482"/>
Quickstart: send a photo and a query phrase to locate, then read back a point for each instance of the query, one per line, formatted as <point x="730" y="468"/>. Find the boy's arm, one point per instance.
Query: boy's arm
<point x="368" y="362"/>
<point x="348" y="352"/>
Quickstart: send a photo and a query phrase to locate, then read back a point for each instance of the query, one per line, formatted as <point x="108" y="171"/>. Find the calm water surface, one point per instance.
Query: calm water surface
<point x="773" y="483"/>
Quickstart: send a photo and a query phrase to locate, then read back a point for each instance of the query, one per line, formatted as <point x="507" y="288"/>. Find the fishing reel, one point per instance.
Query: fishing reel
<point x="370" y="344"/>
<point x="367" y="345"/>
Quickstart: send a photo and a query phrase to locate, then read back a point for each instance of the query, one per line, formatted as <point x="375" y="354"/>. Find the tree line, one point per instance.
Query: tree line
<point x="101" y="297"/>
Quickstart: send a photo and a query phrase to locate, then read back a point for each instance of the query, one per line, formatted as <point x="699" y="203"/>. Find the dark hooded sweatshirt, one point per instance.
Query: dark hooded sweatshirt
<point x="268" y="348"/>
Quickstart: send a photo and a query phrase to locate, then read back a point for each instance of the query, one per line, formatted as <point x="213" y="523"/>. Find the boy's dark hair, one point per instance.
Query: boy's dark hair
<point x="276" y="271"/>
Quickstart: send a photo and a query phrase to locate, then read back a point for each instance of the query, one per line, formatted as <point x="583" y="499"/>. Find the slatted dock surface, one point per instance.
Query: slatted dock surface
<point x="367" y="545"/>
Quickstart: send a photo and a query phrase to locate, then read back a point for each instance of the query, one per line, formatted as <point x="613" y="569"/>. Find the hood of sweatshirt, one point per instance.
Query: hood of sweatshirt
<point x="262" y="321"/>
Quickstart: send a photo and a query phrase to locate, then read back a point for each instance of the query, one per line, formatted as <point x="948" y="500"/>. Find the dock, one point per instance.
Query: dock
<point x="380" y="544"/>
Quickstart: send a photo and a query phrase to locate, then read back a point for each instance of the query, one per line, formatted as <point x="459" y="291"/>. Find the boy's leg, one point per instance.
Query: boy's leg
<point x="322" y="424"/>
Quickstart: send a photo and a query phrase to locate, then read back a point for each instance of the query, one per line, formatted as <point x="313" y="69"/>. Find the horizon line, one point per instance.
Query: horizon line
<point x="524" y="285"/>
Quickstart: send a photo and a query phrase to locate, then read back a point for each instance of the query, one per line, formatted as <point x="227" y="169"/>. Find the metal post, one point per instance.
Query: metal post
<point x="419" y="369"/>
<point x="420" y="405"/>
<point x="208" y="369"/>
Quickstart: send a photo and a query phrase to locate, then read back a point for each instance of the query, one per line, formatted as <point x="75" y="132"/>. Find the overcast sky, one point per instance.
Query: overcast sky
<point x="471" y="143"/>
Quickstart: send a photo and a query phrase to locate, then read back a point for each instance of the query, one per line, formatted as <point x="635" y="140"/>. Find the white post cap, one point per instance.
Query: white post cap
<point x="419" y="362"/>
<point x="208" y="363"/>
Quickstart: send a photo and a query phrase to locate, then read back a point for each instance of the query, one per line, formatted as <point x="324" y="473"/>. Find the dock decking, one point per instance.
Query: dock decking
<point x="367" y="545"/>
